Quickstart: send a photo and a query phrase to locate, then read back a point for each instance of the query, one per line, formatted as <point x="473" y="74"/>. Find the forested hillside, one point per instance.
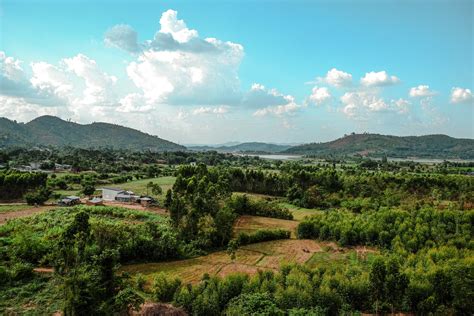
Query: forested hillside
<point x="375" y="145"/>
<point x="50" y="130"/>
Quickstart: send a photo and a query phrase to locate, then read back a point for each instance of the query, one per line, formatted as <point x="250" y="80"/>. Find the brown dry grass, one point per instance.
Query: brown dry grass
<point x="249" y="224"/>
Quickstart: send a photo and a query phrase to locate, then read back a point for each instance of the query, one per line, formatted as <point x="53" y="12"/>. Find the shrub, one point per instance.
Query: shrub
<point x="241" y="204"/>
<point x="262" y="235"/>
<point x="164" y="288"/>
<point x="38" y="197"/>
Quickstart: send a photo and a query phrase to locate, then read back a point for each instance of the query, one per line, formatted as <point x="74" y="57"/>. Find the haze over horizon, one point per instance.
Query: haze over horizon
<point x="212" y="72"/>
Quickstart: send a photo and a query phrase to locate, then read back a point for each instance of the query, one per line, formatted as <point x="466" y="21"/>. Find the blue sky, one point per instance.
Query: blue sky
<point x="277" y="71"/>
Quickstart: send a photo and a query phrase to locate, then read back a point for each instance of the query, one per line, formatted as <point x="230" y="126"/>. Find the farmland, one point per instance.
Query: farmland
<point x="311" y="237"/>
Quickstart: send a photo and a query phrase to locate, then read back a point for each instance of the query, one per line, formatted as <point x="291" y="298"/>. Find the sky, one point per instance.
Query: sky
<point x="208" y="72"/>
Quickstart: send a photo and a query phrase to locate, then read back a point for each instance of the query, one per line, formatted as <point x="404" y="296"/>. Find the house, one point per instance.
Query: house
<point x="109" y="194"/>
<point x="69" y="201"/>
<point x="127" y="196"/>
<point x="61" y="167"/>
<point x="120" y="195"/>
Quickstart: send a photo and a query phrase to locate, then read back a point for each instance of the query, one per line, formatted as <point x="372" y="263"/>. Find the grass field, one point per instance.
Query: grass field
<point x="249" y="259"/>
<point x="5" y="208"/>
<point x="299" y="213"/>
<point x="139" y="186"/>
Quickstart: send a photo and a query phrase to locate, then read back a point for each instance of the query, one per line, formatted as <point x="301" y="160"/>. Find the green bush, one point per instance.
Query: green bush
<point x="242" y="205"/>
<point x="262" y="235"/>
<point x="164" y="288"/>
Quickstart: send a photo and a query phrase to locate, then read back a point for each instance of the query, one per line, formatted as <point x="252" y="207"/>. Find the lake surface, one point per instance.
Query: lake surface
<point x="277" y="157"/>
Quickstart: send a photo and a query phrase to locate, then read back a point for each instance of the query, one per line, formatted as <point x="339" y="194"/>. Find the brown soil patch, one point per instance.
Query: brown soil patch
<point x="43" y="270"/>
<point x="154" y="309"/>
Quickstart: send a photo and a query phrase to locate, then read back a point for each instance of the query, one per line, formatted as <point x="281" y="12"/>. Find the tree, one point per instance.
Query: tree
<point x="155" y="188"/>
<point x="88" y="189"/>
<point x="168" y="198"/>
<point x="396" y="284"/>
<point x="232" y="249"/>
<point x="38" y="197"/>
<point x="377" y="278"/>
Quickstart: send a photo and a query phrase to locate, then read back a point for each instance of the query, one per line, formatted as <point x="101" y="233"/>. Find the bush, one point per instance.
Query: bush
<point x="241" y="204"/>
<point x="253" y="304"/>
<point x="164" y="288"/>
<point x="38" y="197"/>
<point x="262" y="235"/>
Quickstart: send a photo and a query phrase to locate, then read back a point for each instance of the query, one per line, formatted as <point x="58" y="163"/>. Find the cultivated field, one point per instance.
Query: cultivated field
<point x="249" y="224"/>
<point x="250" y="259"/>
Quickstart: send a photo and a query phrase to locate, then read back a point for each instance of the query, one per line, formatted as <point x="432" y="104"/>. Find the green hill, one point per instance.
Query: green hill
<point x="375" y="145"/>
<point x="53" y="131"/>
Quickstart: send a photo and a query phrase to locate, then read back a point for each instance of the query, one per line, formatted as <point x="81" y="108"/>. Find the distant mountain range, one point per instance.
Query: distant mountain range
<point x="375" y="145"/>
<point x="51" y="130"/>
<point x="250" y="147"/>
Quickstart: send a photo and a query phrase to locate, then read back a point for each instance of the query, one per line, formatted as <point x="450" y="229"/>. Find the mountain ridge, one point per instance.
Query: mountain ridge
<point x="53" y="131"/>
<point x="378" y="145"/>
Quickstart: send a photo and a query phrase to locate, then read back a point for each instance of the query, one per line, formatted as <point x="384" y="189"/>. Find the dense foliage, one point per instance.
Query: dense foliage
<point x="435" y="247"/>
<point x="243" y="205"/>
<point x="261" y="235"/>
<point x="13" y="184"/>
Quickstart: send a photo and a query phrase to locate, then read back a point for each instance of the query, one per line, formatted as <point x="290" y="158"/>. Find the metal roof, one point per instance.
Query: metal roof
<point x="112" y="189"/>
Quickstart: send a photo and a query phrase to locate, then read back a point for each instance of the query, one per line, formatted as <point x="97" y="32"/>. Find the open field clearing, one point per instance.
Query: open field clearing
<point x="139" y="186"/>
<point x="14" y="207"/>
<point x="299" y="213"/>
<point x="249" y="259"/>
<point x="249" y="224"/>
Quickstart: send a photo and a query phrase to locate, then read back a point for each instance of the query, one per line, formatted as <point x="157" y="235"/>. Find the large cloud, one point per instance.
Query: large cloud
<point x="177" y="67"/>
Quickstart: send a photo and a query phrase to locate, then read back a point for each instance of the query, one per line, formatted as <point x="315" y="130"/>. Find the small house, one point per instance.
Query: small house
<point x="69" y="201"/>
<point x="127" y="196"/>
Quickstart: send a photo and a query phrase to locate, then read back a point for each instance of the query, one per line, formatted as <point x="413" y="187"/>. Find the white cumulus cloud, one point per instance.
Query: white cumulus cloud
<point x="337" y="78"/>
<point x="421" y="91"/>
<point x="461" y="95"/>
<point x="319" y="95"/>
<point x="381" y="78"/>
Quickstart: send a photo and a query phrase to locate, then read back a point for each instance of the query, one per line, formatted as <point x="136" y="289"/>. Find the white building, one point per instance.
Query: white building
<point x="109" y="194"/>
<point x="116" y="194"/>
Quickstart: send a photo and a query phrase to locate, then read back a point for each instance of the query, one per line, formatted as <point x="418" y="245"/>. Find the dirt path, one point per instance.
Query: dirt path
<point x="5" y="216"/>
